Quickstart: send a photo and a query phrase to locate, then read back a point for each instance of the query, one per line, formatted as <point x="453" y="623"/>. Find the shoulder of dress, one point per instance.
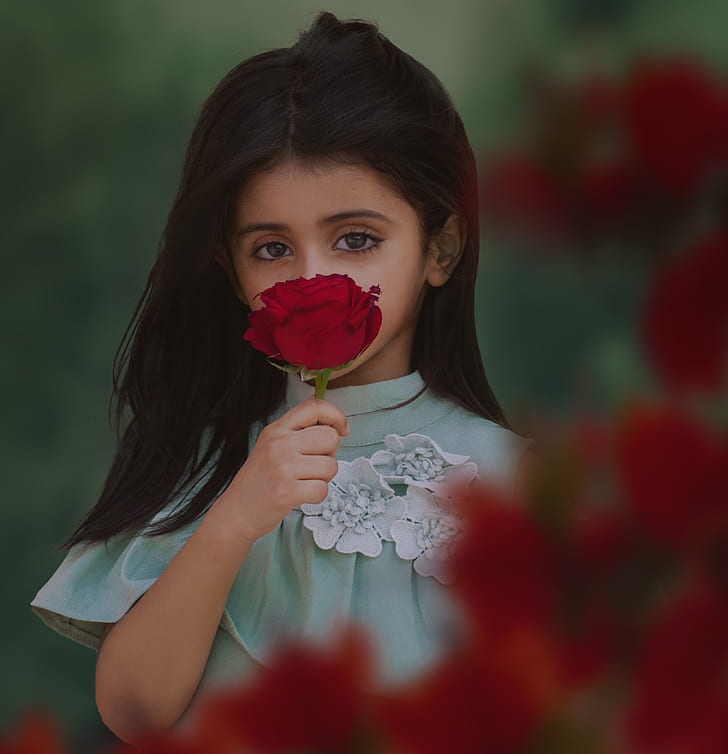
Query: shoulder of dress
<point x="462" y="424"/>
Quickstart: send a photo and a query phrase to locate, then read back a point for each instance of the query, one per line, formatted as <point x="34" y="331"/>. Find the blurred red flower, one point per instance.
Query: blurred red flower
<point x="602" y="538"/>
<point x="518" y="195"/>
<point x="608" y="192"/>
<point x="174" y="742"/>
<point x="469" y="704"/>
<point x="309" y="699"/>
<point x="36" y="732"/>
<point x="588" y="649"/>
<point x="505" y="566"/>
<point x="685" y="328"/>
<point x="676" y="115"/>
<point x="681" y="699"/>
<point x="674" y="472"/>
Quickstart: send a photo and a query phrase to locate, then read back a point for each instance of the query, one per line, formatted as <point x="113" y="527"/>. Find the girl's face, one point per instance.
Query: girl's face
<point x="296" y="222"/>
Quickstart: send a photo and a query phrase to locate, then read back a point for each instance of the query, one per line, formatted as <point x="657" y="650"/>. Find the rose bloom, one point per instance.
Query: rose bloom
<point x="317" y="324"/>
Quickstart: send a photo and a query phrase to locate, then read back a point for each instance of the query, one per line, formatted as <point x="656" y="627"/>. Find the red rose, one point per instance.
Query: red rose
<point x="317" y="323"/>
<point x="685" y="326"/>
<point x="470" y="701"/>
<point x="307" y="699"/>
<point x="37" y="732"/>
<point x="674" y="474"/>
<point x="505" y="566"/>
<point x="518" y="194"/>
<point x="676" y="117"/>
<point x="679" y="703"/>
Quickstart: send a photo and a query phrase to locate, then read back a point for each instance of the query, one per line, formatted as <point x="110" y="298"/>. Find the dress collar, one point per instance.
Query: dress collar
<point x="358" y="399"/>
<point x="364" y="406"/>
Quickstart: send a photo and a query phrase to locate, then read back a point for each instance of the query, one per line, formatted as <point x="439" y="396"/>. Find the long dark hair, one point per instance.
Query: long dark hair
<point x="342" y="92"/>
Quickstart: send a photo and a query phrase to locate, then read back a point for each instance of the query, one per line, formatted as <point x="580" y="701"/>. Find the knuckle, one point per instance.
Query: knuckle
<point x="269" y="453"/>
<point x="274" y="444"/>
<point x="265" y="439"/>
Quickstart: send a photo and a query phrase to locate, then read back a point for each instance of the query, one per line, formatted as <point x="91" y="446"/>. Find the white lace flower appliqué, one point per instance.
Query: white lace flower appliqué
<point x="429" y="536"/>
<point x="358" y="512"/>
<point x="419" y="461"/>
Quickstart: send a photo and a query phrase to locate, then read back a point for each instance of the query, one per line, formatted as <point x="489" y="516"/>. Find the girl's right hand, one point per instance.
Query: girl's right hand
<point x="292" y="462"/>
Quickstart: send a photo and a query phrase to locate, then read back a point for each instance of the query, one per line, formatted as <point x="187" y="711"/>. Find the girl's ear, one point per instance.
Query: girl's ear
<point x="222" y="258"/>
<point x="445" y="250"/>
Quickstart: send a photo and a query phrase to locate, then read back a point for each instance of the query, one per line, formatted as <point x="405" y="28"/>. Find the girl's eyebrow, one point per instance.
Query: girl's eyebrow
<point x="347" y="215"/>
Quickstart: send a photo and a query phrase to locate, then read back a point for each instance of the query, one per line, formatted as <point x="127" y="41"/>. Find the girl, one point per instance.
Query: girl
<point x="239" y="510"/>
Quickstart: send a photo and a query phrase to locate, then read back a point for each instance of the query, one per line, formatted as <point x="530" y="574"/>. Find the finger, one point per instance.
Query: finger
<point x="321" y="439"/>
<point x="312" y="411"/>
<point x="311" y="490"/>
<point x="315" y="467"/>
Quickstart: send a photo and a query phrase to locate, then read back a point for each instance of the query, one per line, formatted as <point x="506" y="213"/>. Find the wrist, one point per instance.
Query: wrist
<point x="221" y="518"/>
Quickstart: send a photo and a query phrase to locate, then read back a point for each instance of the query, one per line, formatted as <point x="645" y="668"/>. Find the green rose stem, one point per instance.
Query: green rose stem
<point x="322" y="375"/>
<point x="321" y="379"/>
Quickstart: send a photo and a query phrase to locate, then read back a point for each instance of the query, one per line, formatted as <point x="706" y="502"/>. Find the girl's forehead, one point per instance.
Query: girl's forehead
<point x="322" y="173"/>
<point x="315" y="184"/>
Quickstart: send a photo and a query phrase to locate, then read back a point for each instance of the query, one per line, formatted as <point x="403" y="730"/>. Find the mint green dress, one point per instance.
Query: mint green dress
<point x="374" y="552"/>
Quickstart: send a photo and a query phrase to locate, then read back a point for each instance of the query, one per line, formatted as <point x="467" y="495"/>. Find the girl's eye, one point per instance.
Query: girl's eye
<point x="355" y="239"/>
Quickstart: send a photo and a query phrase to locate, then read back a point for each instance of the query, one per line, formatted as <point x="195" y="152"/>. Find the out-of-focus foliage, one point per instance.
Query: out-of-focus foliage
<point x="633" y="168"/>
<point x="98" y="101"/>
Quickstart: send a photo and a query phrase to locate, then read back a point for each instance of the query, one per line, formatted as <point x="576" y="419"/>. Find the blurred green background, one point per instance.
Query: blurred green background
<point x="98" y="101"/>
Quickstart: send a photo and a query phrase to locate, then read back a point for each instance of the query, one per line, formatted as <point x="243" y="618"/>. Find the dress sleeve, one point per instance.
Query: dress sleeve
<point x="98" y="582"/>
<point x="498" y="453"/>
